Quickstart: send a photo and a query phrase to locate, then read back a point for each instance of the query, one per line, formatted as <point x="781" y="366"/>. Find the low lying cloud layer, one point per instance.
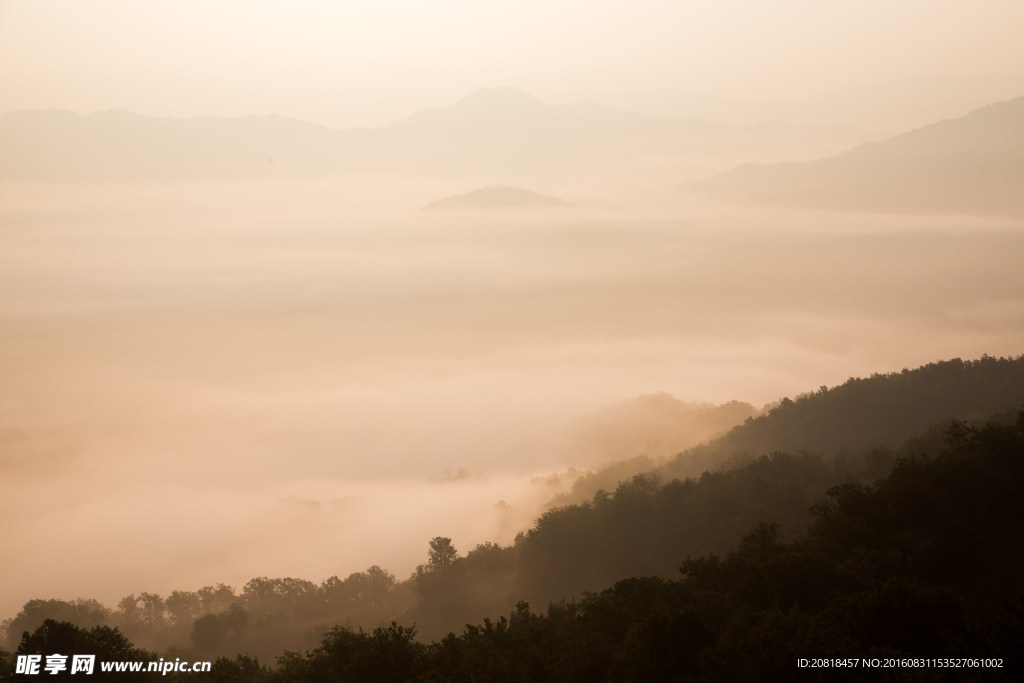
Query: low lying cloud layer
<point x="208" y="383"/>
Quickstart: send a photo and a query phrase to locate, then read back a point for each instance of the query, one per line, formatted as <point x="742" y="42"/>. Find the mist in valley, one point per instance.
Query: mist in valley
<point x="214" y="382"/>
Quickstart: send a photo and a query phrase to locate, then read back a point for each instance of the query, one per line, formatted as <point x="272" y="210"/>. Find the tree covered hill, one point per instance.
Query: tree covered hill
<point x="881" y="410"/>
<point x="846" y="437"/>
<point x="924" y="564"/>
<point x="921" y="567"/>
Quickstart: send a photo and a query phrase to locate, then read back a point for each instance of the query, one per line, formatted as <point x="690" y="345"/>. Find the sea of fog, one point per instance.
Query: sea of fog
<point x="210" y="382"/>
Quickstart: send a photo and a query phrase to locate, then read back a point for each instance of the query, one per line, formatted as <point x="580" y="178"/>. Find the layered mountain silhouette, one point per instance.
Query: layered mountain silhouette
<point x="121" y="145"/>
<point x="492" y="130"/>
<point x="495" y="197"/>
<point x="973" y="164"/>
<point x="879" y="412"/>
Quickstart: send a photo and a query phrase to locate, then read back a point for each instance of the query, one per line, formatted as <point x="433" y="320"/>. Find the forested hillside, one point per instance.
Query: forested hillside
<point x="923" y="564"/>
<point x="800" y="477"/>
<point x="883" y="410"/>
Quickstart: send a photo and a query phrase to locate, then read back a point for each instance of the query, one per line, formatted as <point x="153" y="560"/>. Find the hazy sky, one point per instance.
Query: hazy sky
<point x="366" y="62"/>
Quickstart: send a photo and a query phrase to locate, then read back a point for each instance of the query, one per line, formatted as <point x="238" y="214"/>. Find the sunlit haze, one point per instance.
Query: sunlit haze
<point x="365" y="63"/>
<point x="290" y="288"/>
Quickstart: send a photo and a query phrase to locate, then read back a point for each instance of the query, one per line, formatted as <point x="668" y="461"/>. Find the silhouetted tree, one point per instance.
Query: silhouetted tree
<point x="183" y="607"/>
<point x="84" y="613"/>
<point x="441" y="555"/>
<point x="108" y="644"/>
<point x="6" y="663"/>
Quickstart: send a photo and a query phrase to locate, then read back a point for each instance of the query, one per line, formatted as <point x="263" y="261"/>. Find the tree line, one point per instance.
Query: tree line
<point x="645" y="527"/>
<point x="922" y="563"/>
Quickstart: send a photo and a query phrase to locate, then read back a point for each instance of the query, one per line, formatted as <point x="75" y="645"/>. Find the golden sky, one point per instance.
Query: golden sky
<point x="365" y="63"/>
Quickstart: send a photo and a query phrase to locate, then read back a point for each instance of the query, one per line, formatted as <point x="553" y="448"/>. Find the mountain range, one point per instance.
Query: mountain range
<point x="972" y="164"/>
<point x="491" y="130"/>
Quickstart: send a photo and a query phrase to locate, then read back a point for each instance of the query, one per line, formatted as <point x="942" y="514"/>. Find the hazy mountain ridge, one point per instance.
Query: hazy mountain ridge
<point x="638" y="435"/>
<point x="887" y="107"/>
<point x="883" y="411"/>
<point x="972" y="164"/>
<point x="119" y="145"/>
<point x="494" y="129"/>
<point x="655" y="425"/>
